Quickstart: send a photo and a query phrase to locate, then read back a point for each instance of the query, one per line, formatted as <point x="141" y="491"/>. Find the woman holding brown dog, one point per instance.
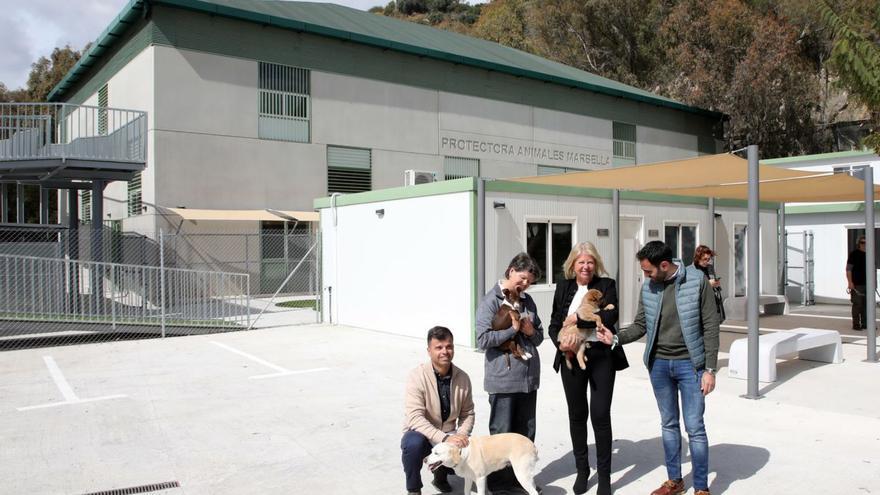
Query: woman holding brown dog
<point x="583" y="271"/>
<point x="512" y="383"/>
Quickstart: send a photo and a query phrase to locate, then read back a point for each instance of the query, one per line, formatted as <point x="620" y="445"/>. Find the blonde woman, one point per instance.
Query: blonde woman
<point x="584" y="270"/>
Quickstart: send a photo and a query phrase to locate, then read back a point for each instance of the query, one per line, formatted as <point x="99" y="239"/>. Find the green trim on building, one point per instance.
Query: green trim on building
<point x="527" y="188"/>
<point x="469" y="184"/>
<point x="351" y="25"/>
<point x="742" y="203"/>
<point x="819" y="157"/>
<point x="828" y="208"/>
<point x="422" y="190"/>
<point x="475" y="298"/>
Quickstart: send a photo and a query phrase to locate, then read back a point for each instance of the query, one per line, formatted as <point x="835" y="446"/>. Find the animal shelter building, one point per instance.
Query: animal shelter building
<point x="256" y="105"/>
<point x="433" y="249"/>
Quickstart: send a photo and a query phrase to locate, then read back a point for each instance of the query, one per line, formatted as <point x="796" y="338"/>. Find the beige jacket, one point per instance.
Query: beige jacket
<point x="422" y="404"/>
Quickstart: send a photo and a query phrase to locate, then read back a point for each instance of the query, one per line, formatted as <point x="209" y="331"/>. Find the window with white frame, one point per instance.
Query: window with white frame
<point x="549" y="243"/>
<point x="624" y="144"/>
<point x="284" y="103"/>
<point x="682" y="239"/>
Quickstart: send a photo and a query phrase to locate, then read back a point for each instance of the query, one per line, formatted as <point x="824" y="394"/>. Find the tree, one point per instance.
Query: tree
<point x="507" y="22"/>
<point x="725" y="56"/>
<point x="11" y="96"/>
<point x="855" y="55"/>
<point x="46" y="73"/>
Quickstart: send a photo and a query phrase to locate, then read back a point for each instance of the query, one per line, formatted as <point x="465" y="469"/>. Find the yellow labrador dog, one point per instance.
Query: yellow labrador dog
<point x="488" y="454"/>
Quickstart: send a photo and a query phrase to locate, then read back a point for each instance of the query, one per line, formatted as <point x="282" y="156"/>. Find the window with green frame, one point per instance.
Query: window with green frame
<point x="284" y="103"/>
<point x="102" y="110"/>
<point x="457" y="168"/>
<point x="135" y="200"/>
<point x="85" y="212"/>
<point x="624" y="144"/>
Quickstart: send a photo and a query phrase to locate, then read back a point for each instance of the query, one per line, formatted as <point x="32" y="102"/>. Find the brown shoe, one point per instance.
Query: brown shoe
<point x="670" y="487"/>
<point x="702" y="492"/>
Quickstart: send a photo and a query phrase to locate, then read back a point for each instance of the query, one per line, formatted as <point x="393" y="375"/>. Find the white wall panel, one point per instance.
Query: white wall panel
<point x="657" y="145"/>
<point x="402" y="273"/>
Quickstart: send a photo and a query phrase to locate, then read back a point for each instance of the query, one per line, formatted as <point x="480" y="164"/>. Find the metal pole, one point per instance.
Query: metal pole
<point x="753" y="282"/>
<point x="615" y="231"/>
<point x="162" y="280"/>
<point x="19" y="203"/>
<point x="44" y="205"/>
<point x="870" y="268"/>
<point x="98" y="243"/>
<point x="781" y="251"/>
<point x="4" y="211"/>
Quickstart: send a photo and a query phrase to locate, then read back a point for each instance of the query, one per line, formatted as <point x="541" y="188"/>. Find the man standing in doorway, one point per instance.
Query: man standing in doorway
<point x="856" y="282"/>
<point x="677" y="312"/>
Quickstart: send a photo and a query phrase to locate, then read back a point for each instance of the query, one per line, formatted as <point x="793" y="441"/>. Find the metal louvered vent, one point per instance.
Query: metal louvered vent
<point x="165" y="485"/>
<point x="349" y="170"/>
<point x="457" y="168"/>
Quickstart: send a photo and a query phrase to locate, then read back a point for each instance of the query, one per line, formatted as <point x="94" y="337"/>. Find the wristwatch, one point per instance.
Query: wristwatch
<point x="711" y="371"/>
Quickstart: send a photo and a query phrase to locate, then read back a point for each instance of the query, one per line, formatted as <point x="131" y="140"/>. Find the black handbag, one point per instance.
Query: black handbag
<point x="618" y="358"/>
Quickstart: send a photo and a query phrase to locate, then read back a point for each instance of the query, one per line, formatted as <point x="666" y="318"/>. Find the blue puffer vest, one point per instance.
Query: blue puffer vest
<point x="687" y="301"/>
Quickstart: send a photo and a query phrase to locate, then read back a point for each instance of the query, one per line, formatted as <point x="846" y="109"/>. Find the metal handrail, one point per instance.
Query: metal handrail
<point x="32" y="131"/>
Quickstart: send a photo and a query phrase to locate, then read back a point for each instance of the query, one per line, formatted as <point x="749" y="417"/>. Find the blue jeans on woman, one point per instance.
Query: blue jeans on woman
<point x="671" y="378"/>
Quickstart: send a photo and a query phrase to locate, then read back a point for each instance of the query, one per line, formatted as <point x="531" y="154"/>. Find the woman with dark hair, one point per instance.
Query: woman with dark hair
<point x="703" y="261"/>
<point x="512" y="383"/>
<point x="583" y="271"/>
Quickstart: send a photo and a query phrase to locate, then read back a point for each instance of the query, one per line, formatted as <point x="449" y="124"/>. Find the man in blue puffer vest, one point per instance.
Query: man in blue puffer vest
<point x="677" y="313"/>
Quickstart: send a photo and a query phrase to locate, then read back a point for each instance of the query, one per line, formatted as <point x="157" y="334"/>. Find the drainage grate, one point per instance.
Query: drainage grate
<point x="138" y="489"/>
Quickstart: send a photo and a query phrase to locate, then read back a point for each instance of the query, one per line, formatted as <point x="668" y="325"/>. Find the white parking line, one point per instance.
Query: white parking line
<point x="281" y="371"/>
<point x="65" y="389"/>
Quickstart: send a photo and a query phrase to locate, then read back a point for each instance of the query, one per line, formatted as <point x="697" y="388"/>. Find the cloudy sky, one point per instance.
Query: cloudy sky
<point x="32" y="28"/>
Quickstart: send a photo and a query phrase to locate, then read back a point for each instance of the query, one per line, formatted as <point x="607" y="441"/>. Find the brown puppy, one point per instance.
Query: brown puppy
<point x="590" y="305"/>
<point x="508" y="315"/>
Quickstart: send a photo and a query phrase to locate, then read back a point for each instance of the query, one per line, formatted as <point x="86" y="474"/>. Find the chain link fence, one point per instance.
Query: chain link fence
<point x="61" y="286"/>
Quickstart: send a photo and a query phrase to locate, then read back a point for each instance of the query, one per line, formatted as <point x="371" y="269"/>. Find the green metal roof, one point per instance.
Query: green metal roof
<point x="356" y="26"/>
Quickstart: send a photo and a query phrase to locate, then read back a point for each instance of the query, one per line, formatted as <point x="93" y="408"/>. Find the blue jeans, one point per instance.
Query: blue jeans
<point x="671" y="378"/>
<point x="414" y="448"/>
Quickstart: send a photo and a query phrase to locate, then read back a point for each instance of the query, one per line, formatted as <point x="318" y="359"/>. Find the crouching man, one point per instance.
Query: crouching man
<point x="439" y="407"/>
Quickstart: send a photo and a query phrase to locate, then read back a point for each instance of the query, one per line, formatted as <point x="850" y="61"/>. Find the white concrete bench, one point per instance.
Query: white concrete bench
<point x="771" y="304"/>
<point x="806" y="343"/>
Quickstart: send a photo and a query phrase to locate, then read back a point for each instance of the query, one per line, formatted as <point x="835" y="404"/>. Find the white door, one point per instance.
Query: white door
<point x="630" y="282"/>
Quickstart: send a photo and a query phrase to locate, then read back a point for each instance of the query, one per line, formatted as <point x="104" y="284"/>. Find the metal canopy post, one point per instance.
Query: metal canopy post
<point x="480" y="268"/>
<point x="870" y="268"/>
<point x="753" y="282"/>
<point x="615" y="231"/>
<point x="781" y="251"/>
<point x="4" y="211"/>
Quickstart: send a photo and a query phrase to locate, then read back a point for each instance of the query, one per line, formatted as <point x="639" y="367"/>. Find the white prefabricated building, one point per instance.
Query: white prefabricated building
<point x="405" y="259"/>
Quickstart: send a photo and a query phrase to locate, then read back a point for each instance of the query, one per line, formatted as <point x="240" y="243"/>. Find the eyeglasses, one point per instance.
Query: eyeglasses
<point x="861" y="242"/>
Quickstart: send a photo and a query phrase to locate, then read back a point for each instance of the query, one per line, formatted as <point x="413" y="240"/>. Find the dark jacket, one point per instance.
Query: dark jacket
<point x="565" y="291"/>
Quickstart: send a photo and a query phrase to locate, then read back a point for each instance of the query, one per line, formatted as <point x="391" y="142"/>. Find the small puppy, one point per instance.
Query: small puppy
<point x="488" y="454"/>
<point x="590" y="305"/>
<point x="508" y="315"/>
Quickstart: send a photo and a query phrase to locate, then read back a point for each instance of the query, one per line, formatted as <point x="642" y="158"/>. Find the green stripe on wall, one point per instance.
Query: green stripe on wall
<point x="419" y="191"/>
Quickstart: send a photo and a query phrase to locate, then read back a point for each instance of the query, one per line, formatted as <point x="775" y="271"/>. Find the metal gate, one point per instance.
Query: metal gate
<point x="799" y="264"/>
